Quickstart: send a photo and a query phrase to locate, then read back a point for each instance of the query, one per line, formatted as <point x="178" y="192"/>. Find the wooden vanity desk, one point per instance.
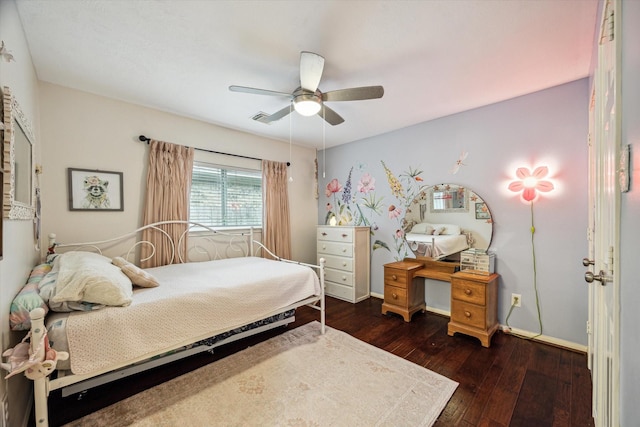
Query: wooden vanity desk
<point x="473" y="296"/>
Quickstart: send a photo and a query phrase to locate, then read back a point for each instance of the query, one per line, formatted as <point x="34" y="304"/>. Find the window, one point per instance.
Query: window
<point x="225" y="197"/>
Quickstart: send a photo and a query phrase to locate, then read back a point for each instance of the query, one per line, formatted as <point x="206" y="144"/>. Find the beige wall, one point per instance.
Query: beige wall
<point x="76" y="129"/>
<point x="19" y="253"/>
<point x="82" y="130"/>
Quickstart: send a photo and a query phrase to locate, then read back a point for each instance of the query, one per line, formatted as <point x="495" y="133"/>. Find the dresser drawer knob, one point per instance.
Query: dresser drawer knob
<point x="344" y="278"/>
<point x="324" y="246"/>
<point x="324" y="234"/>
<point x="344" y="235"/>
<point x="394" y="295"/>
<point x="344" y="250"/>
<point x="467" y="291"/>
<point x="467" y="314"/>
<point x="344" y="264"/>
<point x="394" y="277"/>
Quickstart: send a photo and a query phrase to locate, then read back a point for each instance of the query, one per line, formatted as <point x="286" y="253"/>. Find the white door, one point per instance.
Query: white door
<point x="604" y="222"/>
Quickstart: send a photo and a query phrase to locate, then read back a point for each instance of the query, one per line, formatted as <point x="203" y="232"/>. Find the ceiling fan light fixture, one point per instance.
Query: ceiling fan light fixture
<point x="307" y="104"/>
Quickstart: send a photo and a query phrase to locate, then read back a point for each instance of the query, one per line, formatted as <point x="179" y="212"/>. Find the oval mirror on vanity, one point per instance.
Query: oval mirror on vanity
<point x="445" y="219"/>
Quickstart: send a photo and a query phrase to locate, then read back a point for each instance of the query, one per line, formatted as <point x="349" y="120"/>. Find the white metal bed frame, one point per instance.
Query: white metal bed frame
<point x="223" y="243"/>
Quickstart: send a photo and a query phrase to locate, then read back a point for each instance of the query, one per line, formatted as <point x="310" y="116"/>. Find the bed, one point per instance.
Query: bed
<point x="436" y="241"/>
<point x="218" y="289"/>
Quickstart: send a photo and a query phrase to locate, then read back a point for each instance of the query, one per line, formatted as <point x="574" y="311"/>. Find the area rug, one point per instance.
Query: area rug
<point x="299" y="378"/>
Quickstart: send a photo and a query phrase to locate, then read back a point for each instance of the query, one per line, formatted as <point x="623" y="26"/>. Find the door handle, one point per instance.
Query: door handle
<point x="600" y="277"/>
<point x="587" y="262"/>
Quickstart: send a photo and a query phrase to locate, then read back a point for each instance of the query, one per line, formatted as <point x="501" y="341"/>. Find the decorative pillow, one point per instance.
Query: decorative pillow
<point x="439" y="230"/>
<point x="90" y="277"/>
<point x="448" y="229"/>
<point x="138" y="276"/>
<point x="27" y="299"/>
<point x="422" y="228"/>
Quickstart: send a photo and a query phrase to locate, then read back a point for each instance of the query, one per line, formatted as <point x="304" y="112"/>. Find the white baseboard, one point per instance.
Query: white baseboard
<point x="558" y="342"/>
<point x="521" y="333"/>
<point x="439" y="311"/>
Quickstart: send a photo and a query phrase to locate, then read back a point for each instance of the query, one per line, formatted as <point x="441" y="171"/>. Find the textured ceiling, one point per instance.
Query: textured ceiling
<point x="434" y="58"/>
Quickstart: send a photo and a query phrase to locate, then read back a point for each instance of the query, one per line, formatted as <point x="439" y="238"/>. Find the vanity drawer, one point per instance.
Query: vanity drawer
<point x="395" y="277"/>
<point x="335" y="234"/>
<point x="339" y="263"/>
<point x="465" y="290"/>
<point x="334" y="248"/>
<point x="468" y="314"/>
<point x="395" y="296"/>
<point x="337" y="276"/>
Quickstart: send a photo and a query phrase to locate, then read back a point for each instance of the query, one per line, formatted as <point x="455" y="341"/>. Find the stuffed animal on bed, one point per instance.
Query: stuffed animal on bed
<point x="37" y="364"/>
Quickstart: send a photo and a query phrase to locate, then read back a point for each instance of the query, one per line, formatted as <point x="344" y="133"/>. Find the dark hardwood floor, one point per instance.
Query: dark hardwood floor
<point x="515" y="382"/>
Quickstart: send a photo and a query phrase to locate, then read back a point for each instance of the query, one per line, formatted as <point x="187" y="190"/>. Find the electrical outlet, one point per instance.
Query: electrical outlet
<point x="516" y="300"/>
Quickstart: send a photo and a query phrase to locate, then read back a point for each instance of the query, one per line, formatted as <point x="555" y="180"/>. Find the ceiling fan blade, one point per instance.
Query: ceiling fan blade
<point x="277" y="115"/>
<point x="258" y="91"/>
<point x="330" y="116"/>
<point x="311" y="66"/>
<point x="354" y="94"/>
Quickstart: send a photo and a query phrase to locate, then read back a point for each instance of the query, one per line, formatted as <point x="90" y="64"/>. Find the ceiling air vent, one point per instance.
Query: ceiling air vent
<point x="262" y="117"/>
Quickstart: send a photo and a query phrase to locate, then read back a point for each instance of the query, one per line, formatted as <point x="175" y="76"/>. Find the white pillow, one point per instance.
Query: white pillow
<point x="422" y="228"/>
<point x="90" y="277"/>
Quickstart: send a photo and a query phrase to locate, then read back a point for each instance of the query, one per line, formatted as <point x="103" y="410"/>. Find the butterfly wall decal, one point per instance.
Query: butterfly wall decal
<point x="456" y="167"/>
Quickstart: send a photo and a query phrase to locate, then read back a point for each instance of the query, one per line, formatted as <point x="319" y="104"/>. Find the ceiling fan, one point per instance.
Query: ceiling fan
<point x="307" y="99"/>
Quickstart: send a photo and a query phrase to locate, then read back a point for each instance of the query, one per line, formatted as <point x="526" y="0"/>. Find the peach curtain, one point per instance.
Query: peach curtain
<point x="276" y="226"/>
<point x="168" y="187"/>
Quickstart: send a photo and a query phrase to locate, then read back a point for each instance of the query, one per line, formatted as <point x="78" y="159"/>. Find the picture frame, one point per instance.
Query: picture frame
<point x="482" y="212"/>
<point x="95" y="190"/>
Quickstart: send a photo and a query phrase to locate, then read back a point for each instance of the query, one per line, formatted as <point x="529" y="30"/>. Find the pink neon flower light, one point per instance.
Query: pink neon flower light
<point x="531" y="183"/>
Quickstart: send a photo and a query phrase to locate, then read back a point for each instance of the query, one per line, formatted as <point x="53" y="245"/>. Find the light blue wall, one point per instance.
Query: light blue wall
<point x="629" y="283"/>
<point x="545" y="128"/>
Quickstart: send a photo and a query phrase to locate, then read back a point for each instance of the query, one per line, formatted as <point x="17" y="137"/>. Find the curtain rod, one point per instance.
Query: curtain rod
<point x="147" y="140"/>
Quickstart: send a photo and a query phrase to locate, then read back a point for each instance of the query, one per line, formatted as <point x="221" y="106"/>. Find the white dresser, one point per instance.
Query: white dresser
<point x="346" y="251"/>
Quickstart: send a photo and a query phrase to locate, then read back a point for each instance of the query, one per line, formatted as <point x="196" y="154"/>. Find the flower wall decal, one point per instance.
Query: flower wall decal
<point x="404" y="188"/>
<point x="530" y="183"/>
<point x="355" y="203"/>
<point x="353" y="208"/>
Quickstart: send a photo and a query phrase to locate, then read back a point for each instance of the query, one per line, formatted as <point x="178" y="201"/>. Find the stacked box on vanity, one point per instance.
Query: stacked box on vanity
<point x="477" y="261"/>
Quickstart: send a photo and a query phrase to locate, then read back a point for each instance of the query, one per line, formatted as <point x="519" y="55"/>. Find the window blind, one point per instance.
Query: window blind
<point x="225" y="197"/>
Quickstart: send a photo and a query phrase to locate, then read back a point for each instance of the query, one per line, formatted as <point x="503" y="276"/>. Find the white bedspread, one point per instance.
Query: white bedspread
<point x="194" y="301"/>
<point x="436" y="246"/>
